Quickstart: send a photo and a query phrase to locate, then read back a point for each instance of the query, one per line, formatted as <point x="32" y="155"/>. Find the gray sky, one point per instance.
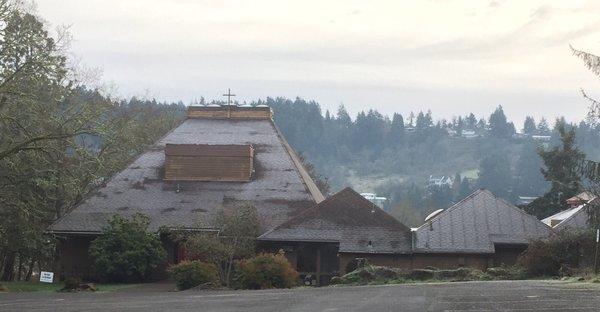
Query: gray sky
<point x="452" y="57"/>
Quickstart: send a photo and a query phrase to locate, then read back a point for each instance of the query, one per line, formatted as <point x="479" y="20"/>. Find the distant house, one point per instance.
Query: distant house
<point x="380" y="201"/>
<point x="542" y="138"/>
<point x="580" y="199"/>
<point x="469" y="134"/>
<point x="576" y="217"/>
<point x="438" y="181"/>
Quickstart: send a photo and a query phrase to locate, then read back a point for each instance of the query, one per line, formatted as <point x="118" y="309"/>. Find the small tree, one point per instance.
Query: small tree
<point x="236" y="239"/>
<point x="126" y="251"/>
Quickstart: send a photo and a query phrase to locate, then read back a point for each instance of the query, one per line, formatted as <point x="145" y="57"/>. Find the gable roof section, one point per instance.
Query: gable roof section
<point x="350" y="219"/>
<point x="280" y="189"/>
<point x="475" y="224"/>
<point x="579" y="219"/>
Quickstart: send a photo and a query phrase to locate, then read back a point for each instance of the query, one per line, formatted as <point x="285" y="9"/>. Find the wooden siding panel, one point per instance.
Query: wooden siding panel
<point x="233" y="112"/>
<point x="232" y="163"/>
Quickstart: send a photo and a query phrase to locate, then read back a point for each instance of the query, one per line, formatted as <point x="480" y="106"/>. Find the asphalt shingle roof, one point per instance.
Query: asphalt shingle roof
<point x="279" y="190"/>
<point x="350" y="219"/>
<point x="475" y="224"/>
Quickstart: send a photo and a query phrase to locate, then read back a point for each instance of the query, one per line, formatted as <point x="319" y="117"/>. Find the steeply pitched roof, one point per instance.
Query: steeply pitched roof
<point x="350" y="219"/>
<point x="280" y="189"/>
<point x="475" y="224"/>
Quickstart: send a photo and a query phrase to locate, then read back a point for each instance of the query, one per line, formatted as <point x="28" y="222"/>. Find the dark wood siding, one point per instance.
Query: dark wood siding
<point x="232" y="112"/>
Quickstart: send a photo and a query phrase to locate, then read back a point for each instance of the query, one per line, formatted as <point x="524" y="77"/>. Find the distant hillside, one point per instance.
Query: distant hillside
<point x="394" y="156"/>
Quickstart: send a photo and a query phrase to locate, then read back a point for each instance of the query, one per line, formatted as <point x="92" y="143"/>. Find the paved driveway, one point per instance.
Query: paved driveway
<point x="469" y="296"/>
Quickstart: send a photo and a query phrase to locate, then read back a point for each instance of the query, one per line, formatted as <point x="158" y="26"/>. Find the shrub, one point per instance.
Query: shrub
<point x="2" y="288"/>
<point x="188" y="274"/>
<point x="421" y="274"/>
<point x="507" y="273"/>
<point x="238" y="230"/>
<point x="266" y="271"/>
<point x="71" y="284"/>
<point x="559" y="254"/>
<point x="126" y="251"/>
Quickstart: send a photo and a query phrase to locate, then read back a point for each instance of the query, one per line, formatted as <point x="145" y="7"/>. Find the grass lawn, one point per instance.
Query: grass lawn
<point x="46" y="287"/>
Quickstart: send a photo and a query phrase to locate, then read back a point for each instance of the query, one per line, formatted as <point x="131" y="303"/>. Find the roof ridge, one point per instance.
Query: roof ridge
<point x="386" y="215"/>
<point x="333" y="197"/>
<point x="307" y="180"/>
<point x="306" y="211"/>
<point x="517" y="208"/>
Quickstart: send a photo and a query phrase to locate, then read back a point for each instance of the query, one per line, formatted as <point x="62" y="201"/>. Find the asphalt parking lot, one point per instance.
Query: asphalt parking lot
<point x="467" y="296"/>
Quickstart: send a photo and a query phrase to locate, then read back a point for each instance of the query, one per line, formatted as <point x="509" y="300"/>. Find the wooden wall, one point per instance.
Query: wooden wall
<point x="231" y="112"/>
<point x="188" y="162"/>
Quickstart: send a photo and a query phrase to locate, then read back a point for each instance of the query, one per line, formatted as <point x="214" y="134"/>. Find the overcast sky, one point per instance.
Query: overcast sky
<point x="452" y="57"/>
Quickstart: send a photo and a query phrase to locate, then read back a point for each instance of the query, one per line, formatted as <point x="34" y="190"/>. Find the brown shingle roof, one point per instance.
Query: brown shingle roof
<point x="350" y="219"/>
<point x="280" y="189"/>
<point x="475" y="224"/>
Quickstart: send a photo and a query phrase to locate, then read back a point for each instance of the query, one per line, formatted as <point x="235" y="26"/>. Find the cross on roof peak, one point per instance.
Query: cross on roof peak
<point x="229" y="95"/>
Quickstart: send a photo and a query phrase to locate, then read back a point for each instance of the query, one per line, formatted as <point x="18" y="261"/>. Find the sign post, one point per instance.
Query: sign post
<point x="46" y="277"/>
<point x="596" y="256"/>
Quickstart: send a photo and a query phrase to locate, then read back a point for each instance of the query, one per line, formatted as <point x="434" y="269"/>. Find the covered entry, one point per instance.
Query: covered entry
<point x="317" y="262"/>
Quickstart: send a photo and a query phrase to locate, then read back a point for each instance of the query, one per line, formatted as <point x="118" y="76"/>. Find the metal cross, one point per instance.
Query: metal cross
<point x="228" y="95"/>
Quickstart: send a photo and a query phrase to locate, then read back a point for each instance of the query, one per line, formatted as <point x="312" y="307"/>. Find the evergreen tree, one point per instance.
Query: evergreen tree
<point x="529" y="178"/>
<point x="561" y="169"/>
<point x="499" y="127"/>
<point x="529" y="127"/>
<point x="471" y="121"/>
<point x="396" y="134"/>
<point x="495" y="175"/>
<point x="464" y="189"/>
<point x="543" y="128"/>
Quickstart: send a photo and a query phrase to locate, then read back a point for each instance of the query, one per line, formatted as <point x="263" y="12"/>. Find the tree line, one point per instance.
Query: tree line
<point x="58" y="139"/>
<point x="373" y="147"/>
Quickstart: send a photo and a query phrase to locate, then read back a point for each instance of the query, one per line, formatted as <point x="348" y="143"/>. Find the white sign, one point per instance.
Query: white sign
<point x="598" y="236"/>
<point x="46" y="277"/>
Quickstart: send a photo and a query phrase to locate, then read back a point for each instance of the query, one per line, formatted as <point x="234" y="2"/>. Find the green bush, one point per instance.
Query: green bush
<point x="188" y="274"/>
<point x="560" y="254"/>
<point x="266" y="271"/>
<point x="126" y="251"/>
